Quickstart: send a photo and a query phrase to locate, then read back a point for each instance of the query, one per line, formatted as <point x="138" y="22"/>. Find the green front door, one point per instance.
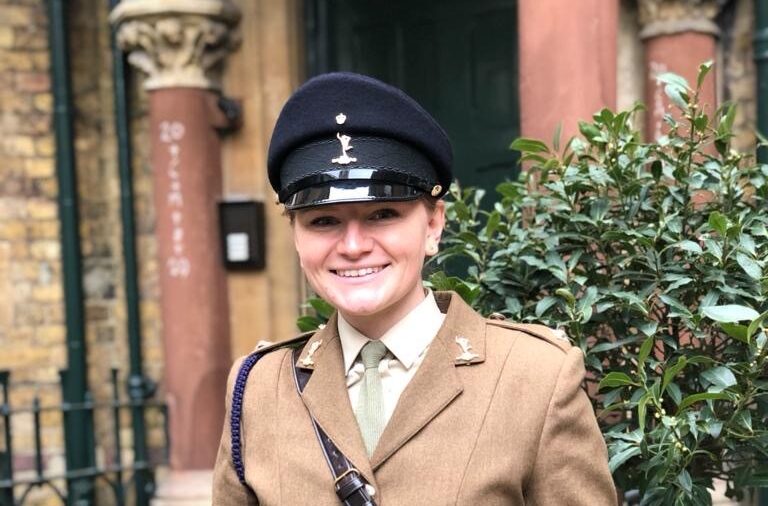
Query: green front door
<point x="458" y="58"/>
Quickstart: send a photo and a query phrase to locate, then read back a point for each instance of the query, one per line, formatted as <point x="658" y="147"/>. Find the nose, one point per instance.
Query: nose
<point x="356" y="241"/>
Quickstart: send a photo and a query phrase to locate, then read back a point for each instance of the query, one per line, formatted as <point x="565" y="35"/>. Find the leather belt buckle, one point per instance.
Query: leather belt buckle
<point x="346" y="473"/>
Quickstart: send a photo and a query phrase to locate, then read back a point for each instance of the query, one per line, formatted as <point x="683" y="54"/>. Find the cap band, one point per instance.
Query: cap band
<point x="342" y="191"/>
<point x="376" y="158"/>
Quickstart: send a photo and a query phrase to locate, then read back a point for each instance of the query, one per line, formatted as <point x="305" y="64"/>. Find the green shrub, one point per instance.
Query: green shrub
<point x="652" y="257"/>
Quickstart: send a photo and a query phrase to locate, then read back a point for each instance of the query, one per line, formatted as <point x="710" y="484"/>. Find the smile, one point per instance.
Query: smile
<point x="357" y="273"/>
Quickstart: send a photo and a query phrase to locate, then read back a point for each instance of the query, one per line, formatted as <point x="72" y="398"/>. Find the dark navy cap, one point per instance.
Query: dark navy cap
<point x="345" y="137"/>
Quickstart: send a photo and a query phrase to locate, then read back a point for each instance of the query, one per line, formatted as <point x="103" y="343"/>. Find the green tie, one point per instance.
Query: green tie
<point x="370" y="402"/>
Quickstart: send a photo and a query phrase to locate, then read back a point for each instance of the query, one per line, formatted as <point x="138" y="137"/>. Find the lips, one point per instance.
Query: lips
<point x="358" y="273"/>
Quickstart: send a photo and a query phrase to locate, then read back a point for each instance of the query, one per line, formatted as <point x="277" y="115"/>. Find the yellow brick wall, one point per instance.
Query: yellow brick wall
<point x="31" y="314"/>
<point x="32" y="330"/>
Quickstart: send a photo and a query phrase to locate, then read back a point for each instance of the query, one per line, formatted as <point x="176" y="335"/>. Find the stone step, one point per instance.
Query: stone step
<point x="183" y="488"/>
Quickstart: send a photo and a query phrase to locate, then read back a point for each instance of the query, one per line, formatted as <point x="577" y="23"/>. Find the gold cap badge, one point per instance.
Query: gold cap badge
<point x="344" y="159"/>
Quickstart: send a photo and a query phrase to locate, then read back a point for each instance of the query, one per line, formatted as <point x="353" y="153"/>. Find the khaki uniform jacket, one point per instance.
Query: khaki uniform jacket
<point x="509" y="426"/>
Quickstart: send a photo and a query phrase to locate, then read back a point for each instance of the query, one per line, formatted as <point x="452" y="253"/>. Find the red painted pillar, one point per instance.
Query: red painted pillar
<point x="568" y="54"/>
<point x="677" y="37"/>
<point x="181" y="46"/>
<point x="186" y="158"/>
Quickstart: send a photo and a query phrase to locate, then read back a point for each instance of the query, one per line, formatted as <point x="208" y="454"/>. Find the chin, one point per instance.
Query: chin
<point x="359" y="306"/>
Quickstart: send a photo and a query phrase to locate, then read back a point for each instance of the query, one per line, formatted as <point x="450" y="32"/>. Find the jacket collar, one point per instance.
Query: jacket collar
<point x="460" y="342"/>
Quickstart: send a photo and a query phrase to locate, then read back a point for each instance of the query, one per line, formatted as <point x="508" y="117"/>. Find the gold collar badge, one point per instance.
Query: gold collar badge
<point x="308" y="361"/>
<point x="467" y="355"/>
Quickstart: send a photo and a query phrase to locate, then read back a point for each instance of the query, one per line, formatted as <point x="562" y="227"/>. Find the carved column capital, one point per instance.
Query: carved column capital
<point x="667" y="17"/>
<point x="177" y="43"/>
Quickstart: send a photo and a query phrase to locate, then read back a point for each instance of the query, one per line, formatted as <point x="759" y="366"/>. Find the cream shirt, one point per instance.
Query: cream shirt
<point x="407" y="343"/>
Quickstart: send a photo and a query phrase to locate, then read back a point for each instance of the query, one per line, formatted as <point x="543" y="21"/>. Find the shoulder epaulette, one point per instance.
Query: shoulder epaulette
<point x="265" y="347"/>
<point x="238" y="392"/>
<point x="557" y="337"/>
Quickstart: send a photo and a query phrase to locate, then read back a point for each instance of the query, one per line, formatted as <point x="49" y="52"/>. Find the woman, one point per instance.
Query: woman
<point x="409" y="396"/>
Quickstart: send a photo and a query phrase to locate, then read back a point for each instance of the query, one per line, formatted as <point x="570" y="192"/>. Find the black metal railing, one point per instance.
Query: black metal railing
<point x="75" y="487"/>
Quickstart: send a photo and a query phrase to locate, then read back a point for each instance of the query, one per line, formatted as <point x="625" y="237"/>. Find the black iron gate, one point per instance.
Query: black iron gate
<point x="125" y="482"/>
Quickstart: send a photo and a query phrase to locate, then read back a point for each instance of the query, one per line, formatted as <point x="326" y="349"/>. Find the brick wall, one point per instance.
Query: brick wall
<point x="31" y="315"/>
<point x="32" y="331"/>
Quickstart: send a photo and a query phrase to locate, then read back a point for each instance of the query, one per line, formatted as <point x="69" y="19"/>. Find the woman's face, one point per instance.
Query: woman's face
<point x="366" y="258"/>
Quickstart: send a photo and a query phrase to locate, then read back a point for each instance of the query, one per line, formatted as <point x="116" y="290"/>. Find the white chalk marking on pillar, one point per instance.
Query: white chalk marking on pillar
<point x="171" y="132"/>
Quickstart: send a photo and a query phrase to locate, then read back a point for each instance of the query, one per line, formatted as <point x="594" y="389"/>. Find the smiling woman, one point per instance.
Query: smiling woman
<point x="366" y="260"/>
<point x="406" y="397"/>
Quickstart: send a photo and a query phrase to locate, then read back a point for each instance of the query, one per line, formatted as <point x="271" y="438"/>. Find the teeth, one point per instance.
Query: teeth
<point x="355" y="273"/>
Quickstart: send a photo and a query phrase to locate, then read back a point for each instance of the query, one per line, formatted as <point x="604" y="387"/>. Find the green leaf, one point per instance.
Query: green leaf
<point x="704" y="69"/>
<point x="642" y="411"/>
<point x="525" y="145"/>
<point x="308" y="323"/>
<point x="726" y="126"/>
<point x="645" y="350"/>
<point x="714" y="248"/>
<point x="618" y="459"/>
<point x="718" y="222"/>
<point x="682" y="281"/>
<point x="685" y="481"/>
<point x="589" y="297"/>
<point x="615" y="379"/>
<point x="756" y="323"/>
<point x="744" y="419"/>
<point x="736" y="331"/>
<point x="721" y="377"/>
<point x="323" y="309"/>
<point x="567" y="295"/>
<point x="604" y="116"/>
<point x="674" y="392"/>
<point x="729" y="313"/>
<point x="690" y="246"/>
<point x="677" y="95"/>
<point x="544" y="304"/>
<point x="492" y="225"/>
<point x="648" y="328"/>
<point x="714" y="428"/>
<point x="589" y="131"/>
<point x="673" y="79"/>
<point x="747" y="243"/>
<point x="671" y="372"/>
<point x="704" y="396"/>
<point x="611" y="345"/>
<point x="750" y="266"/>
<point x="676" y="305"/>
<point x="556" y="136"/>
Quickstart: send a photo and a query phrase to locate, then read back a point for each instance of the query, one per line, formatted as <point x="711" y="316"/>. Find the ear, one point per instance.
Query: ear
<point x="436" y="222"/>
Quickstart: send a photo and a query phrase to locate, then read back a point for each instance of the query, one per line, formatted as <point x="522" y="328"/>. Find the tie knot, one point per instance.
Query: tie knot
<point x="372" y="353"/>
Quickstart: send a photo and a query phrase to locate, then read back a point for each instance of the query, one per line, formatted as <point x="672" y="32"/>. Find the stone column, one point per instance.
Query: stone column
<point x="567" y="63"/>
<point x="181" y="46"/>
<point x="678" y="35"/>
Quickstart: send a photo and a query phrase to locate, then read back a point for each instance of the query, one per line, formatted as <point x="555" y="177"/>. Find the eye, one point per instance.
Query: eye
<point x="323" y="221"/>
<point x="386" y="213"/>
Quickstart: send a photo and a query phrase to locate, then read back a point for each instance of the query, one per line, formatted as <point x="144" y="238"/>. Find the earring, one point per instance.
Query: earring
<point x="431" y="248"/>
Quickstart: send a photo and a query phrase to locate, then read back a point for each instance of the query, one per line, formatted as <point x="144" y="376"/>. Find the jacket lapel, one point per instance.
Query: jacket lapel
<point x="326" y="397"/>
<point x="436" y="383"/>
